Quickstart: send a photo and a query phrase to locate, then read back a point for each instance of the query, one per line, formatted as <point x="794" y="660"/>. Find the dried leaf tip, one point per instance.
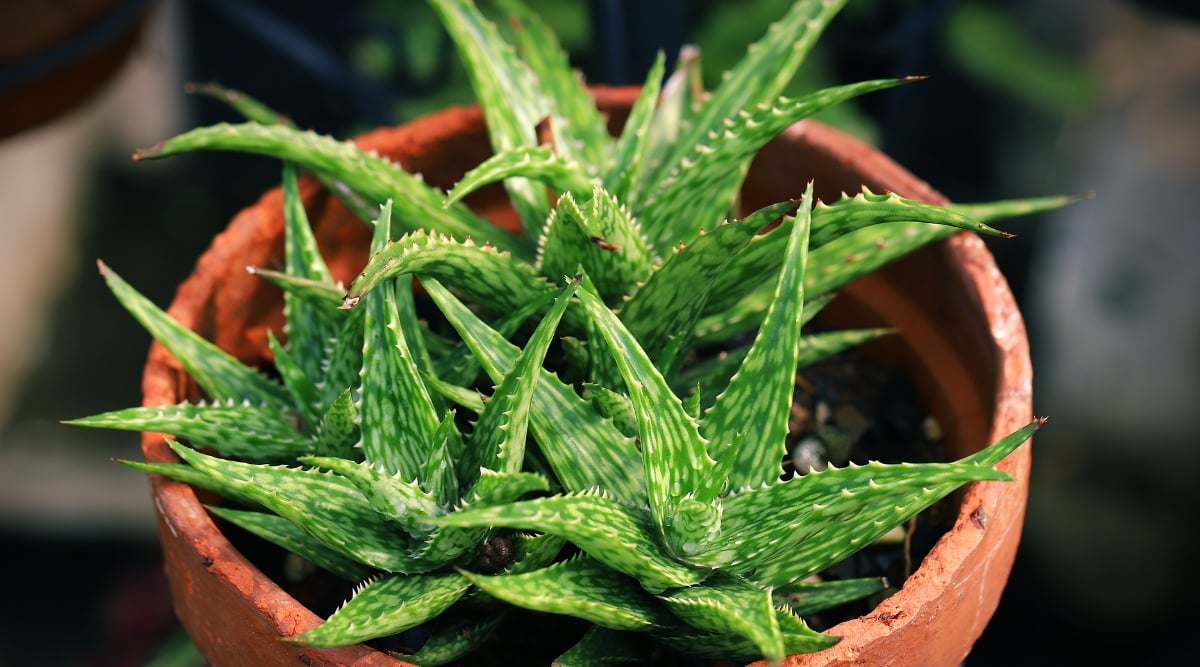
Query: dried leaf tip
<point x="145" y="153"/>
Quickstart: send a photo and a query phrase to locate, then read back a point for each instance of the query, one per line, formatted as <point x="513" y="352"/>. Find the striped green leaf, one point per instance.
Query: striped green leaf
<point x="386" y="606"/>
<point x="810" y="598"/>
<point x="680" y="97"/>
<point x="620" y="536"/>
<point x="283" y="533"/>
<point x="181" y="472"/>
<point x="326" y="506"/>
<point x="395" y="408"/>
<point x="726" y="604"/>
<point x="496" y="280"/>
<point x="761" y="75"/>
<point x="615" y="406"/>
<point x="757" y="402"/>
<point x="592" y="454"/>
<point x="402" y="502"/>
<point x="866" y="208"/>
<point x="498" y="441"/>
<point x="218" y="373"/>
<point x="247" y="431"/>
<point x="625" y="175"/>
<point x="716" y="164"/>
<point x="338" y="431"/>
<point x="601" y="647"/>
<point x="580" y="131"/>
<point x="450" y="641"/>
<point x="537" y="163"/>
<point x="496" y="74"/>
<point x="674" y="454"/>
<point x="600" y="235"/>
<point x="1001" y="210"/>
<point x="746" y="315"/>
<point x="375" y="178"/>
<point x="797" y="638"/>
<point x="439" y="475"/>
<point x="663" y="312"/>
<point x="581" y="587"/>
<point x="305" y="395"/>
<point x="345" y="358"/>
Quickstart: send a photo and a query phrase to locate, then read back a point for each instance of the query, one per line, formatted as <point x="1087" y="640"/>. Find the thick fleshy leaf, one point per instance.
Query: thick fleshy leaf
<point x="762" y="73"/>
<point x="345" y="358"/>
<point x="242" y="430"/>
<point x="715" y="164"/>
<point x="614" y="405"/>
<point x="580" y="131"/>
<point x="866" y="208"/>
<point x="1000" y="210"/>
<point x="439" y="475"/>
<point x="403" y="502"/>
<point x="620" y="536"/>
<point x="338" y="431"/>
<point x="181" y="472"/>
<point x="533" y="551"/>
<point x="581" y="587"/>
<point x="624" y="177"/>
<point x="599" y="235"/>
<point x="375" y="178"/>
<point x="665" y="310"/>
<point x="810" y="598"/>
<point x="496" y="280"/>
<point x="305" y="395"/>
<point x="680" y="96"/>
<point x="498" y="441"/>
<point x="218" y="373"/>
<point x="538" y="163"/>
<point x="309" y="325"/>
<point x="782" y="533"/>
<point x="746" y="315"/>
<point x="592" y="454"/>
<point x="398" y="419"/>
<point x="386" y="606"/>
<point x="756" y="405"/>
<point x="601" y="647"/>
<point x="726" y="604"/>
<point x="797" y="638"/>
<point x="496" y="73"/>
<point x="283" y="533"/>
<point x="674" y="454"/>
<point x="326" y="506"/>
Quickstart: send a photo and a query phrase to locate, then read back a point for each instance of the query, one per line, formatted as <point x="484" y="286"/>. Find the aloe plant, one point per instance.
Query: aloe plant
<point x="618" y="475"/>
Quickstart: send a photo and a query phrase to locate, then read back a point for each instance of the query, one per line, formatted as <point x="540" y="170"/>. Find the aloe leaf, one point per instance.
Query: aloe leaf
<point x="618" y="535"/>
<point x="374" y="178"/>
<point x="810" y="598"/>
<point x="580" y="131"/>
<point x="498" y="441"/>
<point x="673" y="452"/>
<point x="680" y="96"/>
<point x="396" y="410"/>
<point x="497" y="75"/>
<point x="440" y="474"/>
<point x="537" y="163"/>
<point x="756" y="404"/>
<point x="820" y="518"/>
<point x="305" y="395"/>
<point x="403" y="502"/>
<point x="326" y="506"/>
<point x="242" y="430"/>
<point x="797" y="638"/>
<point x="386" y="606"/>
<point x="601" y="647"/>
<point x="727" y="604"/>
<point x="448" y="543"/>
<point x="217" y="372"/>
<point x="534" y="551"/>
<point x="581" y="587"/>
<point x="747" y="315"/>
<point x="762" y="73"/>
<point x="592" y="453"/>
<point x="815" y="347"/>
<point x="455" y="640"/>
<point x="254" y="110"/>
<point x="614" y="405"/>
<point x="308" y="325"/>
<point x="337" y="431"/>
<point x="625" y="174"/>
<point x="1000" y="210"/>
<point x="325" y="294"/>
<point x="181" y="472"/>
<point x="667" y="307"/>
<point x="599" y="235"/>
<point x="459" y="366"/>
<point x="674" y="213"/>
<point x="866" y="208"/>
<point x="283" y="533"/>
<point x="344" y="357"/>
<point x="496" y="280"/>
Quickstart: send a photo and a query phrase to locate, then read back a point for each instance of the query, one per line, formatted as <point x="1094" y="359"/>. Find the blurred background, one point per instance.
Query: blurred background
<point x="1025" y="98"/>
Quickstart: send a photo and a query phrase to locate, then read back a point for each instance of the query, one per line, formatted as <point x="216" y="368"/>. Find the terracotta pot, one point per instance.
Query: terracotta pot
<point x="961" y="339"/>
